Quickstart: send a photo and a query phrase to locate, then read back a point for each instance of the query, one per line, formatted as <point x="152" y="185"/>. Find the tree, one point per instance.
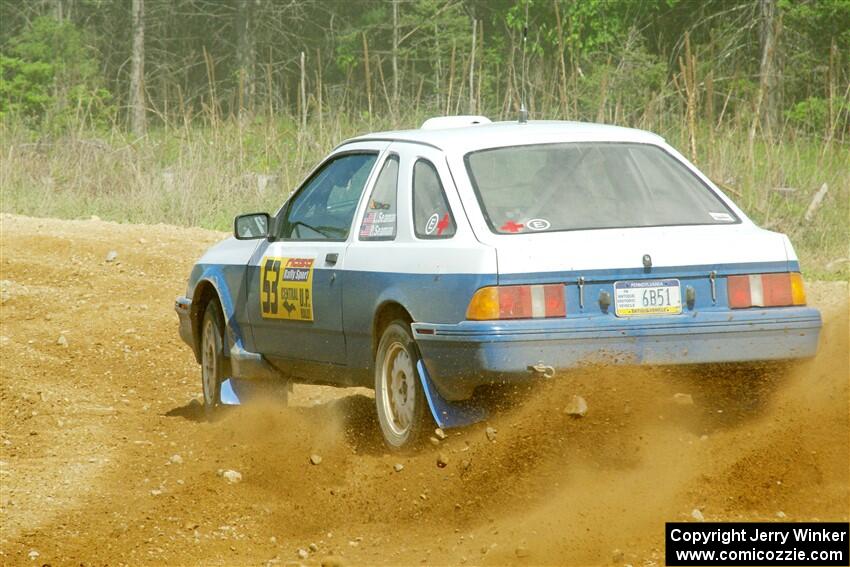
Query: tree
<point x="768" y="73"/>
<point x="137" y="70"/>
<point x="245" y="53"/>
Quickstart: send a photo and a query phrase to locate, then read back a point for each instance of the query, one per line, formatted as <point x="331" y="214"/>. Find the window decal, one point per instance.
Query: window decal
<point x="378" y="225"/>
<point x="431" y="226"/>
<point x="722" y="217"/>
<point x="538" y="224"/>
<point x="443" y="224"/>
<point x="379" y="219"/>
<point x="511" y="226"/>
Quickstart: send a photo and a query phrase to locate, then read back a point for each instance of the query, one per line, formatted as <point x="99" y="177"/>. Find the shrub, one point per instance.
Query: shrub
<point x="51" y="76"/>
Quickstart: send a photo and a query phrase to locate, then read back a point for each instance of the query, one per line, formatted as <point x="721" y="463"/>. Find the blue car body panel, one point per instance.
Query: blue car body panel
<point x="437" y="298"/>
<point x="463" y="356"/>
<point x="229" y="284"/>
<point x="460" y="355"/>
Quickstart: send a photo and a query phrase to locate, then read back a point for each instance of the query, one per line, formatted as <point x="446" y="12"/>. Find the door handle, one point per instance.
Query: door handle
<point x="331" y="258"/>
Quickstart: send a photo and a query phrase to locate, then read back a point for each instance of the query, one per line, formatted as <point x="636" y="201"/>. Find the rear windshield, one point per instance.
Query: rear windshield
<point x="574" y="186"/>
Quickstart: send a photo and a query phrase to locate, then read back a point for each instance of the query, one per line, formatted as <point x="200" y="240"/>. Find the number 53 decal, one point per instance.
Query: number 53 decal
<point x="286" y="288"/>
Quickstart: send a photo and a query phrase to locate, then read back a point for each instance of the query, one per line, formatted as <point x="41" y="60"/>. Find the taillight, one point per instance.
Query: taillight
<point x="766" y="290"/>
<point x="517" y="302"/>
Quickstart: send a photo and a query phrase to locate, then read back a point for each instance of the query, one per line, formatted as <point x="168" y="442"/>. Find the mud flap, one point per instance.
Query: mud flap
<point x="229" y="395"/>
<point x="447" y="414"/>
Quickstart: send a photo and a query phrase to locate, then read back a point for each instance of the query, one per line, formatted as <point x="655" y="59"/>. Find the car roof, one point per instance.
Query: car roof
<point x="467" y="138"/>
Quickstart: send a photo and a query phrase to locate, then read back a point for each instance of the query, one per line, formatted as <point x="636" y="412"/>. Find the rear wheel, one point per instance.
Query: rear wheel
<point x="212" y="357"/>
<point x="403" y="412"/>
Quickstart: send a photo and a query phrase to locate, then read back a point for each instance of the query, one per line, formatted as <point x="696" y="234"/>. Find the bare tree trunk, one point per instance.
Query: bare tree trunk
<point x="245" y="53"/>
<point x="137" y="70"/>
<point x="395" y="56"/>
<point x="368" y="74"/>
<point x="451" y="81"/>
<point x="437" y="67"/>
<point x="689" y="76"/>
<point x="768" y="71"/>
<point x="319" y="88"/>
<point x="562" y="75"/>
<point x="303" y="93"/>
<point x="480" y="65"/>
<point x="472" y="68"/>
<point x="62" y="10"/>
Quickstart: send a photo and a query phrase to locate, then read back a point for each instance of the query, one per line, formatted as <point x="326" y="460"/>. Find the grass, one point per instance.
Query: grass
<point x="204" y="175"/>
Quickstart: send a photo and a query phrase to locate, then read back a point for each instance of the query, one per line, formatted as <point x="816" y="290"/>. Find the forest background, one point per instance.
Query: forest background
<point x="188" y="112"/>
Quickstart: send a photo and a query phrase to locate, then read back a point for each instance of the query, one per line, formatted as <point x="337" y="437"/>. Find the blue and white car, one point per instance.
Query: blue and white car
<point x="426" y="263"/>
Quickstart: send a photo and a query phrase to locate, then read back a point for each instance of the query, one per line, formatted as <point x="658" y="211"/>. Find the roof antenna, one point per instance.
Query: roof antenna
<point x="523" y="111"/>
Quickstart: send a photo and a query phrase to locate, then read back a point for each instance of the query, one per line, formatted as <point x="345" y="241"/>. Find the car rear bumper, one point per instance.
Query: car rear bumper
<point x="472" y="353"/>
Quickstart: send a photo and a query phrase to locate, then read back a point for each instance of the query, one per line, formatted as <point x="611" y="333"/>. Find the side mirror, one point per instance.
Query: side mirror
<point x="252" y="226"/>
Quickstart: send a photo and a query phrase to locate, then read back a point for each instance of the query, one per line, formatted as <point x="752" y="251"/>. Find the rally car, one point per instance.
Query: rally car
<point x="427" y="263"/>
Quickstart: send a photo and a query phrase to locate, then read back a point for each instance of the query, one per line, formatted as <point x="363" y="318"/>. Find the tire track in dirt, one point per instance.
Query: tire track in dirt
<point x="97" y="482"/>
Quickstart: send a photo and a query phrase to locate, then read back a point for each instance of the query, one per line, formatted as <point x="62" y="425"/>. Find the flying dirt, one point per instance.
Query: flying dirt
<point x="105" y="457"/>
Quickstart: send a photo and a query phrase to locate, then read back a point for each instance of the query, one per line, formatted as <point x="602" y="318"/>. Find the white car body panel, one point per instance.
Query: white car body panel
<point x="578" y="250"/>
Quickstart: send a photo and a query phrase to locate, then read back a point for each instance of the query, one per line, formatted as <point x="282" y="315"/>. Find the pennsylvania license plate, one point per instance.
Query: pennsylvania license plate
<point x="648" y="297"/>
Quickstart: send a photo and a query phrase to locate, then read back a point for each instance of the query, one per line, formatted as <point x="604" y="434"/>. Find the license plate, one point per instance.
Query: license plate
<point x="648" y="297"/>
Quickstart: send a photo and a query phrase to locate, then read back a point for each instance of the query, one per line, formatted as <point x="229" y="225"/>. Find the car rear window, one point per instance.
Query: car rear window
<point x="575" y="186"/>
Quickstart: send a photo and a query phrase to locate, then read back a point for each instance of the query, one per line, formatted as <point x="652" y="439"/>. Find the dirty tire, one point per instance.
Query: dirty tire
<point x="403" y="413"/>
<point x="212" y="357"/>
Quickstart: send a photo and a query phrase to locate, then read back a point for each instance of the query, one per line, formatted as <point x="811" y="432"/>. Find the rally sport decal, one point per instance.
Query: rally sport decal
<point x="286" y="288"/>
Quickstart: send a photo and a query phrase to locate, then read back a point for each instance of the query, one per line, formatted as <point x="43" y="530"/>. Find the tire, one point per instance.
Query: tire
<point x="213" y="363"/>
<point x="403" y="413"/>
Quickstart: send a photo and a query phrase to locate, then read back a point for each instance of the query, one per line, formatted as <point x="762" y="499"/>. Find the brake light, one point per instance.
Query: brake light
<point x="517" y="302"/>
<point x="766" y="290"/>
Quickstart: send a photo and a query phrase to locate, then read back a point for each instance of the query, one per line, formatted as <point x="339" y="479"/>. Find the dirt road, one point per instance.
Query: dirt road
<point x="104" y="458"/>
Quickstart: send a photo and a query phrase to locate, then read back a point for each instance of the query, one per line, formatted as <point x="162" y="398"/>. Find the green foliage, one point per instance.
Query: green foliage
<point x="608" y="58"/>
<point x="25" y="87"/>
<point x="821" y="22"/>
<point x="49" y="72"/>
<point x="813" y="114"/>
<point x="638" y="77"/>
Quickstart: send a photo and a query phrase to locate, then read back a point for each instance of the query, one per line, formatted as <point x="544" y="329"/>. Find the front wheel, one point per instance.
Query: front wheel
<point x="403" y="412"/>
<point x="212" y="357"/>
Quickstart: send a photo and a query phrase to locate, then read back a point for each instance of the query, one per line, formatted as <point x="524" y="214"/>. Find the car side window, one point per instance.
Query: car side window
<point x="324" y="207"/>
<point x="432" y="217"/>
<point x="379" y="220"/>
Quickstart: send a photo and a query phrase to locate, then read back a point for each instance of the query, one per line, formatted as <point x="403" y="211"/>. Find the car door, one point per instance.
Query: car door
<point x="294" y="289"/>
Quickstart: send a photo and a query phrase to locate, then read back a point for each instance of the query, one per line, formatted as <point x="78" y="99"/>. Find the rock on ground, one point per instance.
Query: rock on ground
<point x="232" y="476"/>
<point x="577" y="407"/>
<point x="683" y="399"/>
